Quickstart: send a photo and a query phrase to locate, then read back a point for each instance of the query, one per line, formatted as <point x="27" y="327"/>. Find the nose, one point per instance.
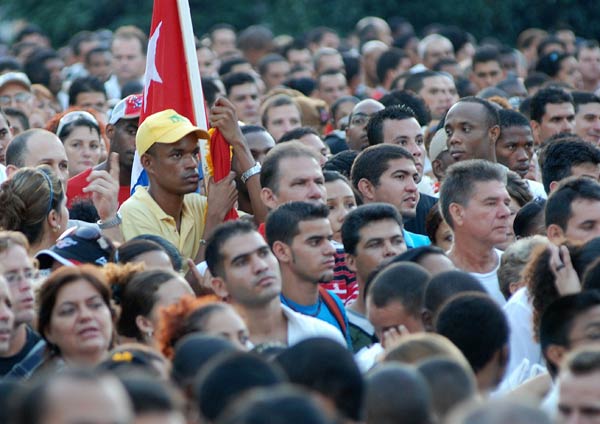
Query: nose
<point x="6" y="313"/>
<point x="259" y="265"/>
<point x="411" y="185"/>
<point x="389" y="249"/>
<point x="504" y="210"/>
<point x="522" y="155"/>
<point x="315" y="191"/>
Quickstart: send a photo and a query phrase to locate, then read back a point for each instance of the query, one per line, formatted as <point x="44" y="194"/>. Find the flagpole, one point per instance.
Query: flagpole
<point x="191" y="59"/>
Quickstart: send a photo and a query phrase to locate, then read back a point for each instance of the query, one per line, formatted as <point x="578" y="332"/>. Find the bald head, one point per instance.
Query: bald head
<point x="356" y="132"/>
<point x="37" y="147"/>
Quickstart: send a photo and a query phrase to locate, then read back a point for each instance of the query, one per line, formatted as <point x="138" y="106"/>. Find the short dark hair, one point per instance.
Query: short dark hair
<point x="450" y="382"/>
<point x="511" y="118"/>
<point x="329" y="72"/>
<point x="167" y="246"/>
<point x="389" y="60"/>
<point x="529" y="218"/>
<point x="270" y="172"/>
<point x="372" y="162"/>
<point x="557" y="319"/>
<point x="221" y="234"/>
<point x="557" y="158"/>
<point x="363" y="216"/>
<point x="558" y="206"/>
<point x="411" y="101"/>
<point x="447" y="284"/>
<point x="485" y="54"/>
<point x="251" y="129"/>
<point x="267" y="60"/>
<point x="546" y="96"/>
<point x="96" y="50"/>
<point x="88" y="84"/>
<point x="228" y="64"/>
<point x="550" y="64"/>
<point x="11" y="112"/>
<point x="341" y="162"/>
<point x="328" y="368"/>
<point x="415" y="82"/>
<point x="460" y="180"/>
<point x="376" y="121"/>
<point x="491" y="111"/>
<point x="297" y="134"/>
<point x="150" y="395"/>
<point x="470" y="314"/>
<point x="583" y="98"/>
<point x="234" y="79"/>
<point x="283" y="223"/>
<point x="227" y="378"/>
<point x="385" y="288"/>
<point x="411" y="405"/>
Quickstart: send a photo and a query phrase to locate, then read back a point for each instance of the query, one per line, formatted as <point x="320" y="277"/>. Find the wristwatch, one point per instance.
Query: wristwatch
<point x="250" y="172"/>
<point x="110" y="223"/>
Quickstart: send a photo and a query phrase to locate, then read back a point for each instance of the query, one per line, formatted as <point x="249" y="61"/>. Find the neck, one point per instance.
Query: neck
<point x="265" y="322"/>
<point x="47" y="240"/>
<point x="170" y="203"/>
<point x="472" y="255"/>
<point x="90" y="359"/>
<point x="298" y="290"/>
<point x="17" y="341"/>
<point x="590" y="84"/>
<point x="359" y="304"/>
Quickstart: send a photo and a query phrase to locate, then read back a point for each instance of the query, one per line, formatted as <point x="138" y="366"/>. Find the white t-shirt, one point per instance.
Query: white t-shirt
<point x="302" y="327"/>
<point x="537" y="189"/>
<point x="519" y="313"/>
<point x="489" y="281"/>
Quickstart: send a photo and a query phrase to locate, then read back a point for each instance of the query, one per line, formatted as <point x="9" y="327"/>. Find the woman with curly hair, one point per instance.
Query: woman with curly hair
<point x="140" y="294"/>
<point x="207" y="315"/>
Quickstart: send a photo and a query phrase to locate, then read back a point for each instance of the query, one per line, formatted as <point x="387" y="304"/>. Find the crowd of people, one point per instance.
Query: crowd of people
<point x="409" y="232"/>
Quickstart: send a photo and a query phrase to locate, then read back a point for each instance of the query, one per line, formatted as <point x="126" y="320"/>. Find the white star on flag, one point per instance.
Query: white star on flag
<point x="151" y="71"/>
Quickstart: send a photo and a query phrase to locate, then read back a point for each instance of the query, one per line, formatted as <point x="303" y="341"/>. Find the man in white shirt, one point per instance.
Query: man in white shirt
<point x="246" y="272"/>
<point x="474" y="202"/>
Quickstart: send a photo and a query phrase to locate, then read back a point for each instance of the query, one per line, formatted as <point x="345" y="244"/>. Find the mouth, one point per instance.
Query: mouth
<point x="192" y="179"/>
<point x="457" y="155"/>
<point x="410" y="201"/>
<point x="5" y="333"/>
<point x="265" y="281"/>
<point x="89" y="333"/>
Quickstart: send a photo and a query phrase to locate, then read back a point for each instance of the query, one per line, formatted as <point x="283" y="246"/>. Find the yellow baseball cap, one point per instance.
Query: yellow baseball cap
<point x="165" y="127"/>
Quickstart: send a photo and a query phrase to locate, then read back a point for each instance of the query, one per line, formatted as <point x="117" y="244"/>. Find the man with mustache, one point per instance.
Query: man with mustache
<point x="167" y="143"/>
<point x="246" y="272"/>
<point x="300" y="235"/>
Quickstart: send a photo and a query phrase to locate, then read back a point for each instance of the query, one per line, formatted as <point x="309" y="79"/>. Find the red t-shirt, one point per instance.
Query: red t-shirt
<point x="77" y="183"/>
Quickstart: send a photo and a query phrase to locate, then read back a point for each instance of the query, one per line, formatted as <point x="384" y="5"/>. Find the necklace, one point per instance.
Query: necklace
<point x="286" y="302"/>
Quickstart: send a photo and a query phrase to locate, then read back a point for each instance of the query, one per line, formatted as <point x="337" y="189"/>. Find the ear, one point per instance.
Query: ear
<point x="427" y="318"/>
<point x="146" y="161"/>
<point x="53" y="220"/>
<point x="268" y="197"/>
<point x="535" y="128"/>
<point x="282" y="252"/>
<point x="553" y="186"/>
<point x="219" y="287"/>
<point x="555" y="354"/>
<point x="494" y="134"/>
<point x="109" y="131"/>
<point x="351" y="262"/>
<point x="555" y="234"/>
<point x="366" y="189"/>
<point x="144" y="324"/>
<point x="457" y="214"/>
<point x="10" y="171"/>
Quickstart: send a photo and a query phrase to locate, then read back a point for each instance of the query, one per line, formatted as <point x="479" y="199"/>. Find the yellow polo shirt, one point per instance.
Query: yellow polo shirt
<point x="142" y="215"/>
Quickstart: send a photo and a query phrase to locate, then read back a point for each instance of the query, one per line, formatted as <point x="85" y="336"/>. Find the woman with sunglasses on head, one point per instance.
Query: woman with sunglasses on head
<point x="75" y="317"/>
<point x="80" y="133"/>
<point x="33" y="202"/>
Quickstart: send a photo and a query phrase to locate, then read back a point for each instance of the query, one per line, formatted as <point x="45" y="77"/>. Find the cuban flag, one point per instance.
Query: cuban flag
<point x="172" y="78"/>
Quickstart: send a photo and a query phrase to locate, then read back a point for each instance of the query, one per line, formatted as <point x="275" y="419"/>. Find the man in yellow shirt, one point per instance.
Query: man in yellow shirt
<point x="167" y="143"/>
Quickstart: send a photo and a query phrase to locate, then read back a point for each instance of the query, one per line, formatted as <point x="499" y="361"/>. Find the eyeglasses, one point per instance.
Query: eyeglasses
<point x="359" y="120"/>
<point x="71" y="117"/>
<point x="19" y="98"/>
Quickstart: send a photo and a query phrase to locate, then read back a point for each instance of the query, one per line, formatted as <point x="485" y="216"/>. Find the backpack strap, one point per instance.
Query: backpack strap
<point x="333" y="307"/>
